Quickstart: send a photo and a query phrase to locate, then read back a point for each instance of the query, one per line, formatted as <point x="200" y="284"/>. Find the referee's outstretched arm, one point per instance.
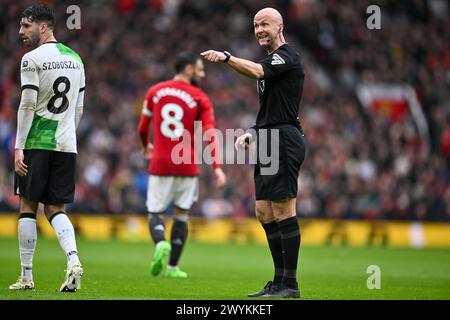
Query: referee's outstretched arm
<point x="245" y="67"/>
<point x="268" y="27"/>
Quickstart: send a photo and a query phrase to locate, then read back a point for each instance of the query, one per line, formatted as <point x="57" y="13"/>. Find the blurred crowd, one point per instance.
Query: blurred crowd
<point x="359" y="165"/>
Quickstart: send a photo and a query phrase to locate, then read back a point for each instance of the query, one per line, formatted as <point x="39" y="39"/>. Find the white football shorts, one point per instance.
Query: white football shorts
<point x="162" y="190"/>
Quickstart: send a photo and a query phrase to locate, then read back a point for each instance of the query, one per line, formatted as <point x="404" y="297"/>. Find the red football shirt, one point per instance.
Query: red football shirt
<point x="174" y="106"/>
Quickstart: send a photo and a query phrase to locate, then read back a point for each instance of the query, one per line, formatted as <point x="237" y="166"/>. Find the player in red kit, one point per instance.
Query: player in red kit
<point x="174" y="106"/>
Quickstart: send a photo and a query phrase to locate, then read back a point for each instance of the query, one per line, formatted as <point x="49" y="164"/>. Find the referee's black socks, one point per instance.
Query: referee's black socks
<point x="274" y="239"/>
<point x="290" y="242"/>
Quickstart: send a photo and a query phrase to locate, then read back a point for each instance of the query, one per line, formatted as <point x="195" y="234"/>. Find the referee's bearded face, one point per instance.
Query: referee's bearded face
<point x="266" y="30"/>
<point x="198" y="72"/>
<point x="29" y="32"/>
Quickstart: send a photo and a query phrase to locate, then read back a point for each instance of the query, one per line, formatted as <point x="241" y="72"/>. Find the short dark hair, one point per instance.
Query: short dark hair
<point x="184" y="59"/>
<point x="40" y="13"/>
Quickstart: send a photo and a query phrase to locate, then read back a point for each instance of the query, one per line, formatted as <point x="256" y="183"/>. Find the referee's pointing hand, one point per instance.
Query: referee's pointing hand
<point x="213" y="56"/>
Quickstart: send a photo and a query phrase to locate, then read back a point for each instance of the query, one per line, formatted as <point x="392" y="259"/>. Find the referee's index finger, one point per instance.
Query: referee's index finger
<point x="204" y="53"/>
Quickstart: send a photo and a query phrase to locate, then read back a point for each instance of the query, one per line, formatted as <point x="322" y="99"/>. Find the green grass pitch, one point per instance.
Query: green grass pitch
<point x="121" y="270"/>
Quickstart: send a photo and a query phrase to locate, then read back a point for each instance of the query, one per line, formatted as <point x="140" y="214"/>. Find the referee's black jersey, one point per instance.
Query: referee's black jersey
<point x="280" y="91"/>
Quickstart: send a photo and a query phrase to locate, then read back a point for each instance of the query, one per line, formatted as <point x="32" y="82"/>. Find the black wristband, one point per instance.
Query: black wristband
<point x="227" y="56"/>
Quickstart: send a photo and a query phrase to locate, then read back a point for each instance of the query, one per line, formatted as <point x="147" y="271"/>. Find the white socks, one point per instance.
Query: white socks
<point x="27" y="243"/>
<point x="66" y="237"/>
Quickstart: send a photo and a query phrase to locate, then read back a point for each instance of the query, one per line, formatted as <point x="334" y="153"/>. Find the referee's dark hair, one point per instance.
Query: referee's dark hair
<point x="40" y="13"/>
<point x="184" y="59"/>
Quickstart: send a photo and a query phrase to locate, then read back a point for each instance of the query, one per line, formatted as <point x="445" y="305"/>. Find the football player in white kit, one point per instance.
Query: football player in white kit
<point x="51" y="105"/>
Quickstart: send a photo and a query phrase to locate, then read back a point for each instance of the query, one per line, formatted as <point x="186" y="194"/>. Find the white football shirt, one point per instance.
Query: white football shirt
<point x="56" y="72"/>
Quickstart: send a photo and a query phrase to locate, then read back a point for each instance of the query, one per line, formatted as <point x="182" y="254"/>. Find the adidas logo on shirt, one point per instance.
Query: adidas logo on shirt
<point x="276" y="59"/>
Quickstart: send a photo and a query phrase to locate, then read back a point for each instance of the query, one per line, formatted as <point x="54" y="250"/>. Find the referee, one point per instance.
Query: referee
<point x="280" y="84"/>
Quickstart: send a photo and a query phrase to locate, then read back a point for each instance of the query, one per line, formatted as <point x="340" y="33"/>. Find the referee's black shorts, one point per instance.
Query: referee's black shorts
<point x="50" y="178"/>
<point x="283" y="183"/>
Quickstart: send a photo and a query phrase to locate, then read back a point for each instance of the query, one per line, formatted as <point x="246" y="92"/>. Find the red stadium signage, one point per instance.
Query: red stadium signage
<point x="397" y="102"/>
<point x="394" y="109"/>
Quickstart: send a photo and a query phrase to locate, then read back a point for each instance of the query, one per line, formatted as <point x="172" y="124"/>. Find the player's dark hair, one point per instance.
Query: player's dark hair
<point x="184" y="59"/>
<point x="40" y="13"/>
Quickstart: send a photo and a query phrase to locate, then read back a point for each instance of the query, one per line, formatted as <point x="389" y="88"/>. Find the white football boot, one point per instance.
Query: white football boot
<point x="73" y="278"/>
<point x="22" y="285"/>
